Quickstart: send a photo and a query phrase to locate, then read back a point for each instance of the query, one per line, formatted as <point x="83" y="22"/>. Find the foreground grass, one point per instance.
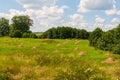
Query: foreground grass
<point x="44" y="59"/>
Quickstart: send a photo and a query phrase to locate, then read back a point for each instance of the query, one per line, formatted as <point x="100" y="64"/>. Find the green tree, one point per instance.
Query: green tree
<point x="21" y="23"/>
<point x="83" y="34"/>
<point x="116" y="49"/>
<point x="4" y="27"/>
<point x="94" y="36"/>
<point x="65" y="32"/>
<point x="106" y="41"/>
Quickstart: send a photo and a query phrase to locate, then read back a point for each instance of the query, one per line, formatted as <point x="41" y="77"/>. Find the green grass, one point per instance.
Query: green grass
<point x="45" y="59"/>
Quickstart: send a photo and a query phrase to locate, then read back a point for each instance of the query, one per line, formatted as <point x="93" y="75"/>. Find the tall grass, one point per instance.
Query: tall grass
<point x="35" y="59"/>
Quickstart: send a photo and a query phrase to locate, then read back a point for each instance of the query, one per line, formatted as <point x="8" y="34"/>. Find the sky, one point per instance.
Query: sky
<point x="81" y="14"/>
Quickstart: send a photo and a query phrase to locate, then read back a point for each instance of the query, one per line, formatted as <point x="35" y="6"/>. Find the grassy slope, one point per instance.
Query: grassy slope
<point x="20" y="54"/>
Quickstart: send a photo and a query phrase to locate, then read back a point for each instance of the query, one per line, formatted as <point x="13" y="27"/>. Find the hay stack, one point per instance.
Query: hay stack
<point x="59" y="45"/>
<point x="56" y="51"/>
<point x="34" y="47"/>
<point x="76" y="49"/>
<point x="82" y="53"/>
<point x="109" y="60"/>
<point x="107" y="54"/>
<point x="21" y="45"/>
<point x="77" y="42"/>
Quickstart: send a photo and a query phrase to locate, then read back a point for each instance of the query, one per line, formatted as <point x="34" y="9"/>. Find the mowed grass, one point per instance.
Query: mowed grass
<point x="40" y="59"/>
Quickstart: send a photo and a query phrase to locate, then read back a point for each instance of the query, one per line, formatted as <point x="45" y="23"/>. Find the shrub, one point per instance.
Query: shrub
<point x="32" y="35"/>
<point x="94" y="37"/>
<point x="16" y="34"/>
<point x="29" y="35"/>
<point x="116" y="49"/>
<point x="25" y="35"/>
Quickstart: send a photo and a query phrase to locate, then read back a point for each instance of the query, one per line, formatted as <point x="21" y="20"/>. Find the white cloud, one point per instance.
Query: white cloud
<point x="91" y="5"/>
<point x="112" y="12"/>
<point x="77" y="18"/>
<point x="116" y="20"/>
<point x="99" y="19"/>
<point x="109" y="26"/>
<point x="36" y="4"/>
<point x="99" y="22"/>
<point x="45" y="13"/>
<point x="43" y="19"/>
<point x="77" y="21"/>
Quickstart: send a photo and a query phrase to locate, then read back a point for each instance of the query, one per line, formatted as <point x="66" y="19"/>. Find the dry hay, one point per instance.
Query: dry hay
<point x="77" y="42"/>
<point x="109" y="60"/>
<point x="56" y="51"/>
<point x="34" y="47"/>
<point x="17" y="77"/>
<point x="83" y="53"/>
<point x="7" y="46"/>
<point x="16" y="39"/>
<point x="76" y="49"/>
<point x="107" y="54"/>
<point x="21" y="45"/>
<point x="59" y="45"/>
<point x="49" y="41"/>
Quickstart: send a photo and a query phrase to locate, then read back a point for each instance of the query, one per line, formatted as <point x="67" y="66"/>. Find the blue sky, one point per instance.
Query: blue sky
<point x="82" y="14"/>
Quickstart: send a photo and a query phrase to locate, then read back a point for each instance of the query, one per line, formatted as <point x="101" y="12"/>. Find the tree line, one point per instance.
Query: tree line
<point x="19" y="27"/>
<point x="65" y="32"/>
<point x="103" y="40"/>
<point x="106" y="40"/>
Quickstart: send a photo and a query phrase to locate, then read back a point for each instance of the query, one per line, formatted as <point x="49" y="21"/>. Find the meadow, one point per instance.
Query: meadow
<point x="55" y="59"/>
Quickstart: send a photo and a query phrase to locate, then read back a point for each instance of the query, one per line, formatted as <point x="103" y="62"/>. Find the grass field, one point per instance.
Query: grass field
<point x="45" y="59"/>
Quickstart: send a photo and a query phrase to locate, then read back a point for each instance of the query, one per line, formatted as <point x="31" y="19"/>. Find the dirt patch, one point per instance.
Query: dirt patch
<point x="83" y="53"/>
<point x="109" y="60"/>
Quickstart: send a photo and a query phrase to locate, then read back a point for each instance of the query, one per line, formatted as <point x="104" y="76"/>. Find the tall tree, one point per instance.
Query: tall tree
<point x="94" y="36"/>
<point x="4" y="26"/>
<point x="21" y="23"/>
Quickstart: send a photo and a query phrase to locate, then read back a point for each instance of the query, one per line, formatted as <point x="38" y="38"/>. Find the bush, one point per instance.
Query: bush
<point x="32" y="35"/>
<point x="94" y="37"/>
<point x="29" y="35"/>
<point x="116" y="49"/>
<point x="25" y="35"/>
<point x="16" y="34"/>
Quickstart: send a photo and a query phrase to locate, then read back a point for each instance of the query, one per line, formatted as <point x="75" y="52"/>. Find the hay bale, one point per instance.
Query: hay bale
<point x="82" y="53"/>
<point x="107" y="54"/>
<point x="109" y="60"/>
<point x="59" y="45"/>
<point x="34" y="47"/>
<point x="76" y="49"/>
<point x="21" y="45"/>
<point x="56" y="51"/>
<point x="77" y="42"/>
